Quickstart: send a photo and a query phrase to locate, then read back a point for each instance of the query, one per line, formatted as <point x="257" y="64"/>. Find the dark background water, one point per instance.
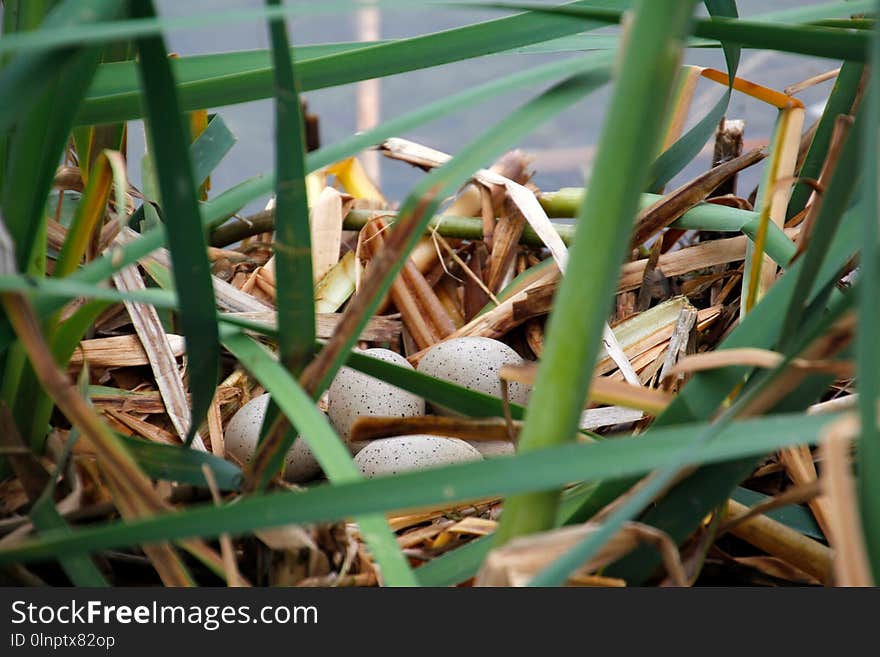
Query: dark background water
<point x="562" y="146"/>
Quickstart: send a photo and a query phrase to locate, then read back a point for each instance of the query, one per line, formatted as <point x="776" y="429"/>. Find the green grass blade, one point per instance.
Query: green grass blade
<point x="328" y="448"/>
<point x="574" y="329"/>
<point x="835" y="199"/>
<point x="796" y="516"/>
<point x="63" y="341"/>
<point x="292" y="246"/>
<point x="362" y="64"/>
<point x="81" y="570"/>
<point x="182" y="465"/>
<point x="209" y="149"/>
<point x="30" y="76"/>
<point x="146" y="27"/>
<point x="87" y="218"/>
<point x="685" y="149"/>
<point x="537" y="470"/>
<point x="36" y="147"/>
<point x="816" y="41"/>
<point x="50" y="293"/>
<point x="868" y="349"/>
<point x="115" y="78"/>
<point x="169" y="141"/>
<point x="804" y="40"/>
<point x="456" y="565"/>
<point x="452" y="396"/>
<point x="840" y="101"/>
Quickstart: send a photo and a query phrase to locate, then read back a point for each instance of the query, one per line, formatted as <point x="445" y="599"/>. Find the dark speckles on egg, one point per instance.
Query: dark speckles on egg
<point x="389" y="456"/>
<point x="474" y="362"/>
<point x="353" y="394"/>
<point x="243" y="431"/>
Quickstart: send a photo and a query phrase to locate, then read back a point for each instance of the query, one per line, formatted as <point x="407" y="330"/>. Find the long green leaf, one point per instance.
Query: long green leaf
<point x="812" y="40"/>
<point x="574" y="329"/>
<point x="796" y="516"/>
<point x="35" y="150"/>
<point x="81" y="570"/>
<point x="186" y="239"/>
<point x="145" y="27"/>
<point x="121" y="77"/>
<point x="840" y="101"/>
<point x="362" y="64"/>
<point x="835" y="200"/>
<point x="181" y="465"/>
<point x="292" y="246"/>
<point x="52" y="293"/>
<point x="537" y="470"/>
<point x="674" y="159"/>
<point x="456" y="565"/>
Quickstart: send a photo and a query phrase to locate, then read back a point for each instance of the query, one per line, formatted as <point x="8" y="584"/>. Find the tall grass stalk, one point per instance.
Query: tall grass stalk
<point x="651" y="54"/>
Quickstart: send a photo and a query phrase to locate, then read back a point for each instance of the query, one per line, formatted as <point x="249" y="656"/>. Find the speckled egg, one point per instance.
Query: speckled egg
<point x="353" y="394"/>
<point x="492" y="448"/>
<point x="243" y="434"/>
<point x="388" y="456"/>
<point x="475" y="363"/>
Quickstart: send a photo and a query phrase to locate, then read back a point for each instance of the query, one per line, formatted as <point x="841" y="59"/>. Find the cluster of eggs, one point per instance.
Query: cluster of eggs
<point x="471" y="362"/>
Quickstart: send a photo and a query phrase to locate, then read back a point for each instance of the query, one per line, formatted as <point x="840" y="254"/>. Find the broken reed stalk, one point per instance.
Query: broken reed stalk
<point x="728" y="145"/>
<point x="372" y="428"/>
<point x="421" y="311"/>
<point x="847" y="535"/>
<point x="781" y="541"/>
<point x="670" y="207"/>
<point x="574" y="331"/>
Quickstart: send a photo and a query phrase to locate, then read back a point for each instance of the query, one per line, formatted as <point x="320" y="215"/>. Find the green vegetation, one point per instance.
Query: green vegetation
<point x="136" y="322"/>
